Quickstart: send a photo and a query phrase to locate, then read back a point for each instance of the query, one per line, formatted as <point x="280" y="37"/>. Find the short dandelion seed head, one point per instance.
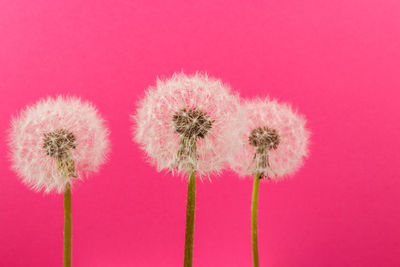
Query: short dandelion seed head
<point x="192" y="123"/>
<point x="264" y="137"/>
<point x="58" y="143"/>
<point x="55" y="140"/>
<point x="275" y="143"/>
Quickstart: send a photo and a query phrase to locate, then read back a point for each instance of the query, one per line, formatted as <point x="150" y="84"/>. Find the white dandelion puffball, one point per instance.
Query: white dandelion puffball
<point x="274" y="143"/>
<point x="188" y="123"/>
<point x="56" y="141"/>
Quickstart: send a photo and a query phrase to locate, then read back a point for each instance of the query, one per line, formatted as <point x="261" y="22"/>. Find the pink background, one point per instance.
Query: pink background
<point x="338" y="62"/>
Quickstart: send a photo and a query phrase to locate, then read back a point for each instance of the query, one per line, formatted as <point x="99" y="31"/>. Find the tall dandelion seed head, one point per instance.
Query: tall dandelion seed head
<point x="186" y="123"/>
<point x="274" y="143"/>
<point x="56" y="141"/>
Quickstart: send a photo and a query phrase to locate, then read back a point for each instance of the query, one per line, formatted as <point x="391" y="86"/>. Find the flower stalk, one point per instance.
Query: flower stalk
<point x="190" y="124"/>
<point x="264" y="139"/>
<point x="190" y="211"/>
<point x="189" y="146"/>
<point x="254" y="209"/>
<point x="67" y="227"/>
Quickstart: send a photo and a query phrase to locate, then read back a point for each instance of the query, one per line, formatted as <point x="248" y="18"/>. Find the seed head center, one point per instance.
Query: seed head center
<point x="263" y="137"/>
<point x="192" y="123"/>
<point x="58" y="143"/>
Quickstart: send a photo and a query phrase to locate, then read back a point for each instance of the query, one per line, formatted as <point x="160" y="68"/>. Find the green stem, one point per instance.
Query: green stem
<point x="67" y="227"/>
<point x="191" y="196"/>
<point x="254" y="208"/>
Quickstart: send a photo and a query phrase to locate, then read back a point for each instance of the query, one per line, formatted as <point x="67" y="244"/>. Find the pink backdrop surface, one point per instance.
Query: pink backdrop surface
<point x="337" y="62"/>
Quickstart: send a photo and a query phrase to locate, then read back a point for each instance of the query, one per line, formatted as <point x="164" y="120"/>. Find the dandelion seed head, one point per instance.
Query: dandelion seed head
<point x="187" y="123"/>
<point x="56" y="142"/>
<point x="274" y="143"/>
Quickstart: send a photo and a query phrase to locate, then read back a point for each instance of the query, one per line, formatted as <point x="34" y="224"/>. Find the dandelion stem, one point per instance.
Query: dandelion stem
<point x="67" y="227"/>
<point x="191" y="196"/>
<point x="254" y="208"/>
